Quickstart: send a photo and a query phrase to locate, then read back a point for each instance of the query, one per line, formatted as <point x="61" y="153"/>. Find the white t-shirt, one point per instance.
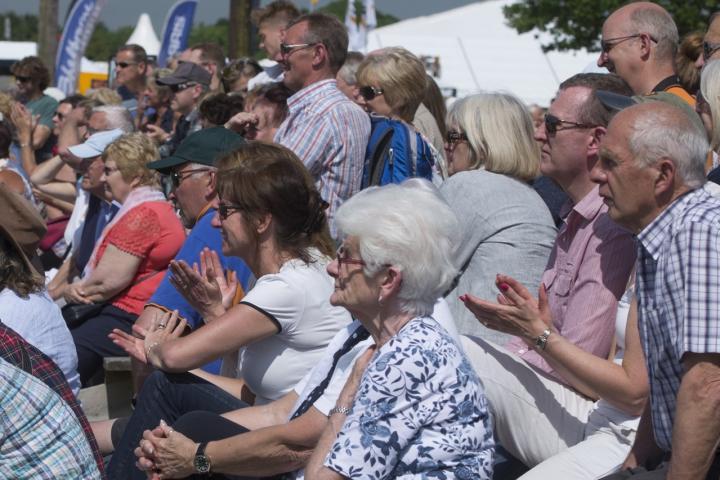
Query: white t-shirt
<point x="297" y="300"/>
<point x="39" y="321"/>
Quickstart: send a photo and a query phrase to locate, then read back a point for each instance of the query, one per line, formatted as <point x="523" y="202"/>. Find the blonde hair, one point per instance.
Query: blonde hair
<point x="105" y="96"/>
<point x="401" y="76"/>
<point x="499" y="129"/>
<point x="710" y="89"/>
<point x="131" y="153"/>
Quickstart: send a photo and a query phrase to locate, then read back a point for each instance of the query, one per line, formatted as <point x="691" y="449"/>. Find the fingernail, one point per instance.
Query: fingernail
<point x="504" y="287"/>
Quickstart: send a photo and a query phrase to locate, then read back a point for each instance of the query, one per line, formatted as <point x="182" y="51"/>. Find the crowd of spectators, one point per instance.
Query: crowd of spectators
<point x="543" y="308"/>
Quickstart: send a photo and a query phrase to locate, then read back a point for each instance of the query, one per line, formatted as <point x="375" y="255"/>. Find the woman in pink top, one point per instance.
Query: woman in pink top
<point x="131" y="255"/>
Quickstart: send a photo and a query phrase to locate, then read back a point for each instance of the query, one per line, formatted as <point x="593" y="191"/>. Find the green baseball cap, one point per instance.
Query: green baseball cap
<point x="617" y="102"/>
<point x="204" y="146"/>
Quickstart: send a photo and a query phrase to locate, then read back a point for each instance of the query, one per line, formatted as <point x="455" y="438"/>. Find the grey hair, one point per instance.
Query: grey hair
<point x="664" y="131"/>
<point x="657" y="22"/>
<point x="710" y="89"/>
<point x="116" y="116"/>
<point x="418" y="234"/>
<point x="348" y="72"/>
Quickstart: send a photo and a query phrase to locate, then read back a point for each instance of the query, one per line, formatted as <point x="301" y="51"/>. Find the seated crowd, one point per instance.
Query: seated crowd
<point x="295" y="305"/>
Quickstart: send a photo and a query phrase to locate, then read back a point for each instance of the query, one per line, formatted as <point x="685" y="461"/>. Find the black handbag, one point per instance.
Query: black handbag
<point x="75" y="314"/>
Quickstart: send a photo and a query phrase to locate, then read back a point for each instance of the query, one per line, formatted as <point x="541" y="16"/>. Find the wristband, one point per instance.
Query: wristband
<point x="541" y="340"/>
<point x="343" y="410"/>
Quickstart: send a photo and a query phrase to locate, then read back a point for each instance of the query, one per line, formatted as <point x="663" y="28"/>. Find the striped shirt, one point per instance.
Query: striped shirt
<point x="41" y="437"/>
<point x="678" y="291"/>
<point x="586" y="275"/>
<point x="329" y="133"/>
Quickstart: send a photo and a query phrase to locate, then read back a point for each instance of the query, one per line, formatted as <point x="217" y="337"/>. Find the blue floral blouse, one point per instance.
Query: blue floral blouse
<point x="420" y="412"/>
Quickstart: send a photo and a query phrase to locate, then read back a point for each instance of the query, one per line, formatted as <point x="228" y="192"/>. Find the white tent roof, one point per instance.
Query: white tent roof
<point x="477" y="50"/>
<point x="145" y="36"/>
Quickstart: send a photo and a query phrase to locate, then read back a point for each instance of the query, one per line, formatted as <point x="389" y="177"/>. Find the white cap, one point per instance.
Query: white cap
<point x="96" y="144"/>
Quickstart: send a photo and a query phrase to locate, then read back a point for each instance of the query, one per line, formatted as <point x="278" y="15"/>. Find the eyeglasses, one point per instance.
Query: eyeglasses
<point x="610" y="43"/>
<point x="287" y="48"/>
<point x="109" y="171"/>
<point x="453" y="137"/>
<point x="22" y="79"/>
<point x="178" y="177"/>
<point x="709" y="49"/>
<point x="181" y="86"/>
<point x="341" y="258"/>
<point x="369" y="92"/>
<point x="227" y="209"/>
<point x="552" y="124"/>
<point x="60" y="115"/>
<point x="125" y="64"/>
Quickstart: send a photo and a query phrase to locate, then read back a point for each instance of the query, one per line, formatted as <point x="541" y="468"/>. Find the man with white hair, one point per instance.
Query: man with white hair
<point x="639" y="42"/>
<point x="651" y="176"/>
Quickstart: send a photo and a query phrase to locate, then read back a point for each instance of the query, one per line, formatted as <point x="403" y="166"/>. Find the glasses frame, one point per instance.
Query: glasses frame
<point x="176" y="178"/>
<point x="347" y="261"/>
<point x="368" y="92"/>
<point x="709" y="50"/>
<point x="552" y="123"/>
<point x="107" y="171"/>
<point x="125" y="64"/>
<point x="287" y="49"/>
<point x="610" y="43"/>
<point x="181" y="86"/>
<point x="223" y="210"/>
<point x="452" y="137"/>
<point x="22" y="79"/>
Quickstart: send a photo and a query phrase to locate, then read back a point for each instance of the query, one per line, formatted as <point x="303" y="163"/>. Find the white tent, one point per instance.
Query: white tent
<point x="145" y="36"/>
<point x="472" y="48"/>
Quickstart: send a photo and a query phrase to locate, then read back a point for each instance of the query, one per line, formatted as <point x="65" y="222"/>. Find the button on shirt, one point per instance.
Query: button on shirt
<point x="330" y="134"/>
<point x="586" y="275"/>
<point x="678" y="291"/>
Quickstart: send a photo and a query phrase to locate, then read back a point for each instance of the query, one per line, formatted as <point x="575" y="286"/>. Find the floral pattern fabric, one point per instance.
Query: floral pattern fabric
<point x="420" y="412"/>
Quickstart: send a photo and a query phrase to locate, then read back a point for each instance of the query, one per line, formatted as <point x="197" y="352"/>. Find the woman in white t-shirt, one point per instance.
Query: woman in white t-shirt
<point x="272" y="216"/>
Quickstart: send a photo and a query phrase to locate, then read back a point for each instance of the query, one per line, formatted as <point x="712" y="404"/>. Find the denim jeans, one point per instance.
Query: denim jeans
<point x="166" y="396"/>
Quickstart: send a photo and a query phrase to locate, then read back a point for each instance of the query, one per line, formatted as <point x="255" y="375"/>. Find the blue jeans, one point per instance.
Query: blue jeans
<point x="166" y="396"/>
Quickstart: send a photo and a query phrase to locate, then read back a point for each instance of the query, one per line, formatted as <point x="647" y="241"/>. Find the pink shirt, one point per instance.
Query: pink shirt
<point x="586" y="275"/>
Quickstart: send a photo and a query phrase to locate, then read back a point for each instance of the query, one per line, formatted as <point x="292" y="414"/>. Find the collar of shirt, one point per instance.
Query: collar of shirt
<point x="310" y="94"/>
<point x="587" y="208"/>
<point x="652" y="236"/>
<point x="204" y="210"/>
<point x="671" y="81"/>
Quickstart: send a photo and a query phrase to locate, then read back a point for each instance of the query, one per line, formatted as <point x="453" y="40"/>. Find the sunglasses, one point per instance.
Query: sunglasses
<point x="453" y="137"/>
<point x="60" y="115"/>
<point x="177" y="177"/>
<point x="125" y="64"/>
<point x="227" y="209"/>
<point x="181" y="86"/>
<point x="610" y="43"/>
<point x="709" y="49"/>
<point x="553" y="123"/>
<point x="288" y="48"/>
<point x="22" y="79"/>
<point x="369" y="92"/>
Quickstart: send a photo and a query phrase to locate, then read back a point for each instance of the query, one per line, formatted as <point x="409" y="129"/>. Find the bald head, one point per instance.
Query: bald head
<point x="650" y="18"/>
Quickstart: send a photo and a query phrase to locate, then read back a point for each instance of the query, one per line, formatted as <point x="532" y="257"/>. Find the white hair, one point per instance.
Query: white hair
<point x="410" y="227"/>
<point x="710" y="88"/>
<point x="668" y="132"/>
<point x="116" y="116"/>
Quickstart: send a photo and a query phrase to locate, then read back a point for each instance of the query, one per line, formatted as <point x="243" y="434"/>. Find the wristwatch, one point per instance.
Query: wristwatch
<point x="201" y="461"/>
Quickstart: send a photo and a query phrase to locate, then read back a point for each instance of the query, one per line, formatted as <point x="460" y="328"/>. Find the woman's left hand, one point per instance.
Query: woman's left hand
<point x="167" y="452"/>
<point x="517" y="312"/>
<point x="74" y="293"/>
<point x="23" y="121"/>
<point x="164" y="328"/>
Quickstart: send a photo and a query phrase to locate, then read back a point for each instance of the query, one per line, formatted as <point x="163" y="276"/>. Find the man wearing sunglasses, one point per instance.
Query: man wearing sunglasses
<point x="191" y="171"/>
<point x="324" y="128"/>
<point x="188" y="83"/>
<point x="131" y="74"/>
<point x="639" y="43"/>
<point x="711" y="42"/>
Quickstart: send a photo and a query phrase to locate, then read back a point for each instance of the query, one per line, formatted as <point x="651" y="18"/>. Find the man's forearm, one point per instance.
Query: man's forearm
<point x="696" y="430"/>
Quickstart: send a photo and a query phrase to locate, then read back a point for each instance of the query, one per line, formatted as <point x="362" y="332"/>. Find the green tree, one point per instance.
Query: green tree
<point x="217" y="33"/>
<point x="23" y="28"/>
<point x="339" y="7"/>
<point x="575" y="24"/>
<point x="104" y="42"/>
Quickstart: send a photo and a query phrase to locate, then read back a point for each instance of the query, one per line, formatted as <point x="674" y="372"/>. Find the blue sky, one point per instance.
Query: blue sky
<point x="119" y="13"/>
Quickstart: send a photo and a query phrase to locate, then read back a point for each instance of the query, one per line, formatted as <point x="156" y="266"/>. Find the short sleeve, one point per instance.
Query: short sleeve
<point x="45" y="108"/>
<point x="274" y="297"/>
<point x="137" y="232"/>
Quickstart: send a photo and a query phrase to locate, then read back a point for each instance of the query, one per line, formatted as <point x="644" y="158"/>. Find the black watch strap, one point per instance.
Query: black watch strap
<point x="201" y="461"/>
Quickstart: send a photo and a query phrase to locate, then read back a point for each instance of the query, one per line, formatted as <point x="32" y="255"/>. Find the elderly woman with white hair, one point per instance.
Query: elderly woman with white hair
<point x="413" y="406"/>
<point x="506" y="226"/>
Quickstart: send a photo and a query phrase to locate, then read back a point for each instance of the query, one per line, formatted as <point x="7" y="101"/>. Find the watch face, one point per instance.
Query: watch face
<point x="202" y="464"/>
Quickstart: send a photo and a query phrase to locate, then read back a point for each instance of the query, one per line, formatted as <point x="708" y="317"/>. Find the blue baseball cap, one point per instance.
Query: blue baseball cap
<point x="96" y="144"/>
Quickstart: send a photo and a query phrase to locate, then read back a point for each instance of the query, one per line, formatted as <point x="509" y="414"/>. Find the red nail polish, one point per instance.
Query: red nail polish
<point x="504" y="287"/>
<point x="463" y="298"/>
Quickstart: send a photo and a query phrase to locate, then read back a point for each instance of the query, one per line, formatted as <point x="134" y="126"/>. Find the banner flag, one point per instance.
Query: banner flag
<point x="176" y="31"/>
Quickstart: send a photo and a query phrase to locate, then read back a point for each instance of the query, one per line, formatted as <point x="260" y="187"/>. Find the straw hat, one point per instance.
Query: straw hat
<point x="22" y="225"/>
